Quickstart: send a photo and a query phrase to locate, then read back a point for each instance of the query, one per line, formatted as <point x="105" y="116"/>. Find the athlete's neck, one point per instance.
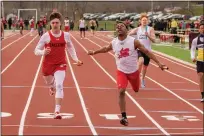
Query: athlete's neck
<point x="122" y="37"/>
<point x="143" y="26"/>
<point x="55" y="31"/>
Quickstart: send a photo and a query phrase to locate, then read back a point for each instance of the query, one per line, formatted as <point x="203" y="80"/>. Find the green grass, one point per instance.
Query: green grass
<point x="109" y="25"/>
<point x="197" y="10"/>
<point x="177" y="52"/>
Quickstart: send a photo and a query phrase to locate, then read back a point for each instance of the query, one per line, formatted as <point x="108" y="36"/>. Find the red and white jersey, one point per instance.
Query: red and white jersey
<point x="143" y="38"/>
<point x="66" y="22"/>
<point x="21" y="22"/>
<point x="125" y="54"/>
<point x="58" y="43"/>
<point x="31" y="23"/>
<point x="57" y="54"/>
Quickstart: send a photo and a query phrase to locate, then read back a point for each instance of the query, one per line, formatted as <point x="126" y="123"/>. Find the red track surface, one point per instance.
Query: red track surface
<point x="91" y="89"/>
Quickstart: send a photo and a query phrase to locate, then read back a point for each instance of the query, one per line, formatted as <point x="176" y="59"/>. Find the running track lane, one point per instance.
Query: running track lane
<point x="41" y="102"/>
<point x="10" y="53"/>
<point x="11" y="39"/>
<point x="14" y="98"/>
<point x="186" y="89"/>
<point x="176" y="105"/>
<point x="101" y="101"/>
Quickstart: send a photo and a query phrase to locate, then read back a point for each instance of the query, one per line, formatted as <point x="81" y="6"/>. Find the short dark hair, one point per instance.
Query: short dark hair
<point x="54" y="15"/>
<point x="120" y="22"/>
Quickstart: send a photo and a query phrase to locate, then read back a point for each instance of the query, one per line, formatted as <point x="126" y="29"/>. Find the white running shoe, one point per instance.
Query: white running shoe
<point x="142" y="83"/>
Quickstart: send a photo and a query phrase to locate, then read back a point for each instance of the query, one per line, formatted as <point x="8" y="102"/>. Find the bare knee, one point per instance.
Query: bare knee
<point x="59" y="86"/>
<point x="122" y="92"/>
<point x="200" y="75"/>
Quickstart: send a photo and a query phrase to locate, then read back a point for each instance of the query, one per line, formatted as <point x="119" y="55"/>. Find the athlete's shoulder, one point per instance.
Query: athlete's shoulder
<point x="130" y="37"/>
<point x="66" y="34"/>
<point x="45" y="35"/>
<point x="114" y="39"/>
<point x="195" y="40"/>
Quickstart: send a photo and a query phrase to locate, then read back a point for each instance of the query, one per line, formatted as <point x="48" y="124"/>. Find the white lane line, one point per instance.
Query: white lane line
<point x="133" y="100"/>
<point x="18" y="55"/>
<point x="13" y="42"/>
<point x="91" y="126"/>
<point x="163" y="87"/>
<point x="22" y="122"/>
<point x="10" y="36"/>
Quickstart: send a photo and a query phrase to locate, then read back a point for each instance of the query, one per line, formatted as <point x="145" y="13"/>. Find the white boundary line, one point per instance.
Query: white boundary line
<point x="133" y="100"/>
<point x="9" y="36"/>
<point x="91" y="126"/>
<point x="13" y="42"/>
<point x="18" y="55"/>
<point x="22" y="122"/>
<point x="163" y="87"/>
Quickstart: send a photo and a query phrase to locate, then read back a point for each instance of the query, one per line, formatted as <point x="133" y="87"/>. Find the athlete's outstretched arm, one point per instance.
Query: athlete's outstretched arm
<point x="149" y="54"/>
<point x="152" y="35"/>
<point x="101" y="50"/>
<point x="71" y="50"/>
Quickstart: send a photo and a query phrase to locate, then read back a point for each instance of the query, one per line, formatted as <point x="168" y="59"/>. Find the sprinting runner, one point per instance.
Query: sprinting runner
<point x="82" y="27"/>
<point x="66" y="25"/>
<point x="39" y="25"/>
<point x="21" y="24"/>
<point x="92" y="24"/>
<point x="32" y="25"/>
<point x="44" y="24"/>
<point x="125" y="49"/>
<point x="2" y="30"/>
<point x="52" y="46"/>
<point x="198" y="42"/>
<point x="146" y="35"/>
<point x="14" y="23"/>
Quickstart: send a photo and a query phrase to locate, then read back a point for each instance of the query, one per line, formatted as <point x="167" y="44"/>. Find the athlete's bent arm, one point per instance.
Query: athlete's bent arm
<point x="39" y="50"/>
<point x="101" y="50"/>
<point x="152" y="35"/>
<point x="72" y="51"/>
<point x="193" y="49"/>
<point x="149" y="54"/>
<point x="133" y="32"/>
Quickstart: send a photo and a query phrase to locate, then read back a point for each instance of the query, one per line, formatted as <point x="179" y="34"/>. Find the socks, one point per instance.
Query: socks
<point x="57" y="108"/>
<point x="124" y="115"/>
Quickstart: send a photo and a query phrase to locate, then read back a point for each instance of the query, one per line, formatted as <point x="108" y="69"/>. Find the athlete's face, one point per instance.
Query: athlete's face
<point x="55" y="24"/>
<point x="144" y="21"/>
<point x="121" y="29"/>
<point x="201" y="29"/>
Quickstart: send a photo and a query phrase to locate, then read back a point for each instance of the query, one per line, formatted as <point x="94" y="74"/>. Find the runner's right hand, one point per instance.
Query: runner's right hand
<point x="90" y="52"/>
<point x="47" y="50"/>
<point x="194" y="60"/>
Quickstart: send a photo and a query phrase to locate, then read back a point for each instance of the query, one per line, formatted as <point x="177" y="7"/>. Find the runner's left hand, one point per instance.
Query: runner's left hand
<point x="163" y="67"/>
<point x="79" y="63"/>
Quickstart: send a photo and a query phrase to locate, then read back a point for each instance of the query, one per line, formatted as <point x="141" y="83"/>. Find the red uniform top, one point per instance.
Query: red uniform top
<point x="32" y="24"/>
<point x="57" y="55"/>
<point x="44" y="21"/>
<point x="40" y="23"/>
<point x="21" y="23"/>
